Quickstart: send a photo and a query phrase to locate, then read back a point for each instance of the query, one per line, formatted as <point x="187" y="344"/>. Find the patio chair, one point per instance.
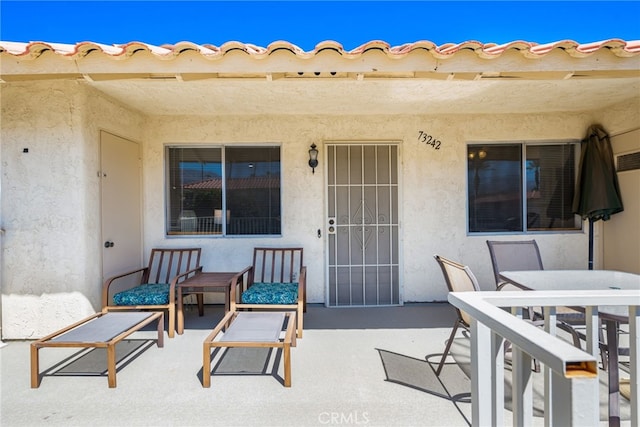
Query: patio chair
<point x="520" y="255"/>
<point x="515" y="255"/>
<point x="275" y="281"/>
<point x="152" y="287"/>
<point x="459" y="278"/>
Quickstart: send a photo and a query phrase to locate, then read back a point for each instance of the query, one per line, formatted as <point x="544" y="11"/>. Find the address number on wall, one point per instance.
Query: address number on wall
<point x="427" y="139"/>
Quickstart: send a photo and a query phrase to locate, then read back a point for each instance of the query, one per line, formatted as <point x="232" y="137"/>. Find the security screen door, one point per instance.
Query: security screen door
<point x="362" y="225"/>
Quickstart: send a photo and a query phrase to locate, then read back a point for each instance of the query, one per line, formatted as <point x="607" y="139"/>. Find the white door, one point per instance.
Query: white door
<point x="362" y="225"/>
<point x="121" y="204"/>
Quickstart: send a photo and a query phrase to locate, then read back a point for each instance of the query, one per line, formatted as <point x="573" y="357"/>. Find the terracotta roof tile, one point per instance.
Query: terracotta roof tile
<point x="186" y="77"/>
<point x="33" y="50"/>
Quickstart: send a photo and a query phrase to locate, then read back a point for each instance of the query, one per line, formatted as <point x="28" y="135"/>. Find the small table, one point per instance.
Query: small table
<point x="549" y="280"/>
<point x="252" y="329"/>
<point x="101" y="330"/>
<point x="199" y="284"/>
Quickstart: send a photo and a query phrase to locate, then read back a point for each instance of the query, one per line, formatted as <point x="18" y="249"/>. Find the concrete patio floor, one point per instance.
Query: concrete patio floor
<point x="354" y="366"/>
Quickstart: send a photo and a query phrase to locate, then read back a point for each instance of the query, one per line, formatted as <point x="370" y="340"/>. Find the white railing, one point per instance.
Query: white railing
<point x="213" y="225"/>
<point x="570" y="374"/>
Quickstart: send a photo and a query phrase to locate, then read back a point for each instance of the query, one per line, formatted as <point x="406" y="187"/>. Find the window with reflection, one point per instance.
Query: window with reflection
<point x="519" y="188"/>
<point x="223" y="190"/>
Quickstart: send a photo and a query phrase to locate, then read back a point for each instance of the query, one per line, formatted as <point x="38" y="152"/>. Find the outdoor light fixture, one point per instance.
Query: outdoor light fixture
<point x="313" y="158"/>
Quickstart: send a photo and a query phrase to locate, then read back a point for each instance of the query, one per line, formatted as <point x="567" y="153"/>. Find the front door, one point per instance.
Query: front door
<point x="121" y="204"/>
<point x="362" y="224"/>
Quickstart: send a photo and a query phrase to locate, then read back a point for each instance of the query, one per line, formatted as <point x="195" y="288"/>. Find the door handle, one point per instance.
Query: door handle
<point x="108" y="244"/>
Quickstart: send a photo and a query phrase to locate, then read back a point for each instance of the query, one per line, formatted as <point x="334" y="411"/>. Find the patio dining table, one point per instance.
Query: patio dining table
<point x="612" y="316"/>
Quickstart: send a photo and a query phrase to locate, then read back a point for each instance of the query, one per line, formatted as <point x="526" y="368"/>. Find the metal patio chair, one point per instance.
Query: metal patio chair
<point x="520" y="255"/>
<point x="459" y="278"/>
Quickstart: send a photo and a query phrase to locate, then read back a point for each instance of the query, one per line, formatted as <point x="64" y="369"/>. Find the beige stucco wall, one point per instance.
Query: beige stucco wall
<point x="51" y="206"/>
<point x="620" y="243"/>
<point x="433" y="195"/>
<point x="51" y="253"/>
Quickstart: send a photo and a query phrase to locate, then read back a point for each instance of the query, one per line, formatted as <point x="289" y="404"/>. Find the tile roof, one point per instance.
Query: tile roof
<point x="470" y="77"/>
<point x="619" y="47"/>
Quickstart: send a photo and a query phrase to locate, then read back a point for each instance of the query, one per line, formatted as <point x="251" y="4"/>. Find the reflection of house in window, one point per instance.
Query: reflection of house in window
<point x="250" y="193"/>
<point x="249" y="203"/>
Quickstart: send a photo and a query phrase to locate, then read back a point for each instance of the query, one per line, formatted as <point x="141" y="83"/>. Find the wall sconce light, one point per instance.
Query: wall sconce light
<point x="313" y="158"/>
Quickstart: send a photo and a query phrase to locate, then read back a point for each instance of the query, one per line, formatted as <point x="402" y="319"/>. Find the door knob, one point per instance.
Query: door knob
<point x="108" y="244"/>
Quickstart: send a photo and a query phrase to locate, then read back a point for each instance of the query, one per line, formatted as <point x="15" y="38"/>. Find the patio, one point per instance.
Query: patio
<point x="363" y="366"/>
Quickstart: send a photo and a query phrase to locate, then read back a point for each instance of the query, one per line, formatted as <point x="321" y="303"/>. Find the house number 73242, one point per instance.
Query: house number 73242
<point x="429" y="140"/>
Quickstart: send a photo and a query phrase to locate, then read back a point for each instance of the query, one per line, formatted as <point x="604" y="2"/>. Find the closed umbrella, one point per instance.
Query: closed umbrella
<point x="597" y="195"/>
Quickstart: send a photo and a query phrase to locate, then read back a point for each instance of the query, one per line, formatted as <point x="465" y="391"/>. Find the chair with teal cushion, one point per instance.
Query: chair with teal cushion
<point x="276" y="280"/>
<point x="152" y="287"/>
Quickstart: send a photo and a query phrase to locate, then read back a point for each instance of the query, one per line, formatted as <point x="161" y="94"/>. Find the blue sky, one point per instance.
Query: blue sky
<point x="305" y="23"/>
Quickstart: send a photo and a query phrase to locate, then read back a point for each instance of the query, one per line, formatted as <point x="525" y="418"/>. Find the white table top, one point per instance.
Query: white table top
<point x="549" y="280"/>
<point x="583" y="280"/>
<point x="588" y="280"/>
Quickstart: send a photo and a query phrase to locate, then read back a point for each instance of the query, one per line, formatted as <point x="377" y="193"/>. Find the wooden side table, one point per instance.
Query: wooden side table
<point x="199" y="284"/>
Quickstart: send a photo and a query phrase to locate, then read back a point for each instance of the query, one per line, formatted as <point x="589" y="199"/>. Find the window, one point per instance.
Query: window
<point x="521" y="187"/>
<point x="243" y="182"/>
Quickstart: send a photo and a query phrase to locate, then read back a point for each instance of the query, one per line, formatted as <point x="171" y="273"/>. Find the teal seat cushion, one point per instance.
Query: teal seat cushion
<point x="271" y="293"/>
<point x="146" y="294"/>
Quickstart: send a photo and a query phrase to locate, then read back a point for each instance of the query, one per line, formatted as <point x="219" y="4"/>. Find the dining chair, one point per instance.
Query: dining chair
<point x="459" y="278"/>
<point x="520" y="255"/>
<point x="516" y="255"/>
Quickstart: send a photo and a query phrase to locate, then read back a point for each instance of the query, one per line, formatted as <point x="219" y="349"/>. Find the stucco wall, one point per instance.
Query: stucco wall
<point x="620" y="244"/>
<point x="433" y="195"/>
<point x="51" y="259"/>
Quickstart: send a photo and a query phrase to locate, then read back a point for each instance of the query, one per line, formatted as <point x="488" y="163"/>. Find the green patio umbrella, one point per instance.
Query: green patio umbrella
<point x="597" y="195"/>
